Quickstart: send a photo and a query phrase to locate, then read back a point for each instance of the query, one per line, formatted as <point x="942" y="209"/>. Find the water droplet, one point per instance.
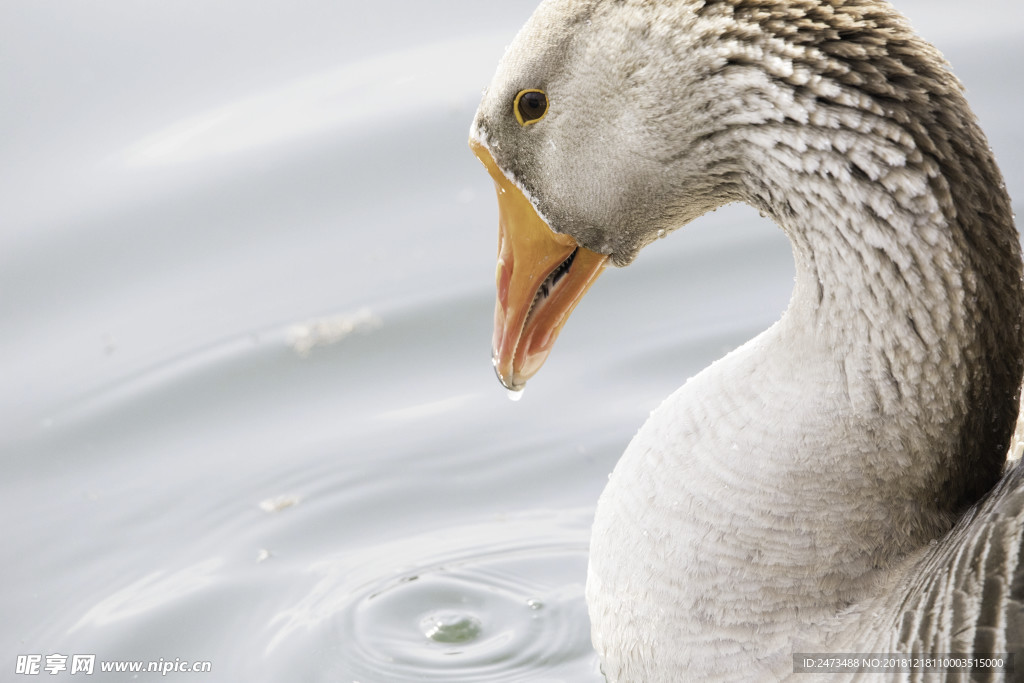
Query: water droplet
<point x="535" y="604"/>
<point x="515" y="395"/>
<point x="661" y="233"/>
<point x="449" y="627"/>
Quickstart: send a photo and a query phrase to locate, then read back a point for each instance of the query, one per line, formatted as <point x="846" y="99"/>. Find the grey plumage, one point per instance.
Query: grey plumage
<point x="877" y="413"/>
<point x="960" y="594"/>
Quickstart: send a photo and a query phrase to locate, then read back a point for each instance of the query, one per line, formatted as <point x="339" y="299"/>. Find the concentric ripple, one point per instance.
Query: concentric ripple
<point x="472" y="609"/>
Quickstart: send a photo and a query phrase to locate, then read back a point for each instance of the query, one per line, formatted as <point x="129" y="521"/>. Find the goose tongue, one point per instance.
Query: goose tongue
<point x="541" y="276"/>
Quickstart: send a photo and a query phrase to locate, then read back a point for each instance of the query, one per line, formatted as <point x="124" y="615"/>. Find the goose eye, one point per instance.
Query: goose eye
<point x="530" y="106"/>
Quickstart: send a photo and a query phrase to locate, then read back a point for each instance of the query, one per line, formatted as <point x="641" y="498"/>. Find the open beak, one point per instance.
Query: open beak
<point x="541" y="276"/>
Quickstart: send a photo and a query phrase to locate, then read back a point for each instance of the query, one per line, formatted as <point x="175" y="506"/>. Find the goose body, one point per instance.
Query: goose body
<point x="836" y="484"/>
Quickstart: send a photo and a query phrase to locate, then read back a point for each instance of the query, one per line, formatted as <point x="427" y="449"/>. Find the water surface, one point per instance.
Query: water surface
<point x="247" y="412"/>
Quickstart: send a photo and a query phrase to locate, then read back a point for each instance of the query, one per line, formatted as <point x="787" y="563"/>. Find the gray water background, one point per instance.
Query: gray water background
<point x="247" y="412"/>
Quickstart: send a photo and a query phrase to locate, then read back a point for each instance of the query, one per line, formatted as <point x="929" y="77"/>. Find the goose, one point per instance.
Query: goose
<point x="835" y="487"/>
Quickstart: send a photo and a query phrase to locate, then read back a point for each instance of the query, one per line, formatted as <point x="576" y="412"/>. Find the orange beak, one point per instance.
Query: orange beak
<point x="541" y="276"/>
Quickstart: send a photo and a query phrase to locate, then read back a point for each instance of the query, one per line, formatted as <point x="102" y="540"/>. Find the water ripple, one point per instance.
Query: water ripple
<point x="497" y="601"/>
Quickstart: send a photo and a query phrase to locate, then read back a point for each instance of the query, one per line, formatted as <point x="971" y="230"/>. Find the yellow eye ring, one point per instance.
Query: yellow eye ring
<point x="530" y="106"/>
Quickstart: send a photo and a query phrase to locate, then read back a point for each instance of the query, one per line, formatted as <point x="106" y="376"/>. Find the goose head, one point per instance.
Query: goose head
<point x="593" y="159"/>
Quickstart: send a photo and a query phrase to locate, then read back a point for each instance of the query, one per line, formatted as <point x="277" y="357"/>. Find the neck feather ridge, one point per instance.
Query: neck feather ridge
<point x="908" y="262"/>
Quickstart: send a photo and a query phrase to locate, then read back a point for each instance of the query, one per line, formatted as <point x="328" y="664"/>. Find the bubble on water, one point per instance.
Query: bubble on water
<point x="450" y="627"/>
